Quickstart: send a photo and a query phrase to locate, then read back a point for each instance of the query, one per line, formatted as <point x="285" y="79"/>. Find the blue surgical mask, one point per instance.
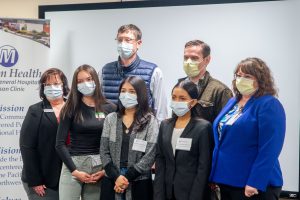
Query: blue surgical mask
<point x="53" y="92"/>
<point x="180" y="108"/>
<point x="128" y="100"/>
<point x="125" y="50"/>
<point x="86" y="88"/>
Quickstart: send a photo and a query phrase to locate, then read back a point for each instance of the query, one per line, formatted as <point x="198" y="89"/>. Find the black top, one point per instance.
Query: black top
<point x="41" y="164"/>
<point x="125" y="146"/>
<point x="85" y="136"/>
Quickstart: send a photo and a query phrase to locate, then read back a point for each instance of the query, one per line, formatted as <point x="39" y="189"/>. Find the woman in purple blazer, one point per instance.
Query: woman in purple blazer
<point x="249" y="134"/>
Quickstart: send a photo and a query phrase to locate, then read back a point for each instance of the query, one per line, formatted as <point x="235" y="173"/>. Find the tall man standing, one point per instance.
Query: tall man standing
<point x="213" y="93"/>
<point x="129" y="40"/>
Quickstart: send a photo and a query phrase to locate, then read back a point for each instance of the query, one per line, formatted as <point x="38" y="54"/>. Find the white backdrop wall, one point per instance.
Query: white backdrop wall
<point x="268" y="30"/>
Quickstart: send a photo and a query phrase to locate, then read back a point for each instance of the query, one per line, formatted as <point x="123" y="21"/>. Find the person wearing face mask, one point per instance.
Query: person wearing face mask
<point x="213" y="94"/>
<point x="128" y="145"/>
<point x="184" y="147"/>
<point x="249" y="134"/>
<point x="129" y="40"/>
<point x="82" y="118"/>
<point x="41" y="164"/>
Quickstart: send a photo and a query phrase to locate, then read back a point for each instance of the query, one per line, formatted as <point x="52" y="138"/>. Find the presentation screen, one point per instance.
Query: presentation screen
<point x="234" y="31"/>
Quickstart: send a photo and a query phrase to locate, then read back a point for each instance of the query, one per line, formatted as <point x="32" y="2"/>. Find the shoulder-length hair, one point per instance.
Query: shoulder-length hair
<point x="53" y="72"/>
<point x="143" y="111"/>
<point x="259" y="69"/>
<point x="193" y="92"/>
<point x="72" y="107"/>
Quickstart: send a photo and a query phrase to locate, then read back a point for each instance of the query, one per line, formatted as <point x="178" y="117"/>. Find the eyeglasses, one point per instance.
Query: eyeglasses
<point x="52" y="84"/>
<point x="126" y="39"/>
<point x="244" y="76"/>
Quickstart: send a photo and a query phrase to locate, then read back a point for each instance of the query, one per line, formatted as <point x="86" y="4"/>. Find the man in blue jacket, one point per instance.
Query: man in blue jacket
<point x="129" y="40"/>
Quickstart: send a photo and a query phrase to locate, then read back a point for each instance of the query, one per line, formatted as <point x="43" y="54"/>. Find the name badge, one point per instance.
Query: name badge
<point x="184" y="144"/>
<point x="139" y="145"/>
<point x="99" y="115"/>
<point x="233" y="119"/>
<point x="48" y="110"/>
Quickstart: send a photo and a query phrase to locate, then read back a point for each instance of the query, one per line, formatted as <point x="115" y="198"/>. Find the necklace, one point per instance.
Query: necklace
<point x="126" y="129"/>
<point x="127" y="123"/>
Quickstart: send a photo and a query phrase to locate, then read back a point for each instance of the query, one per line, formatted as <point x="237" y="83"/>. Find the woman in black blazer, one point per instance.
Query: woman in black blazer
<point x="184" y="147"/>
<point x="41" y="164"/>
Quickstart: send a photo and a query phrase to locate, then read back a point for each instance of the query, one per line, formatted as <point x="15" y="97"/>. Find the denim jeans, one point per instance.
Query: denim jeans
<point x="123" y="171"/>
<point x="72" y="189"/>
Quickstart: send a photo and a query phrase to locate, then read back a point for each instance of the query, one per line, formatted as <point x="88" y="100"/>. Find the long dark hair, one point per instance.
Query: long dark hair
<point x="72" y="106"/>
<point x="193" y="92"/>
<point x="143" y="112"/>
<point x="52" y="72"/>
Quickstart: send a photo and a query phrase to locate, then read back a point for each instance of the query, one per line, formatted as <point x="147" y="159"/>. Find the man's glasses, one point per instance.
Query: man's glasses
<point x="125" y="39"/>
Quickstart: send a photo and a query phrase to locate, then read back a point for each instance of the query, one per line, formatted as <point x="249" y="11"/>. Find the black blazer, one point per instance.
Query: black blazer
<point x="187" y="173"/>
<point x="41" y="164"/>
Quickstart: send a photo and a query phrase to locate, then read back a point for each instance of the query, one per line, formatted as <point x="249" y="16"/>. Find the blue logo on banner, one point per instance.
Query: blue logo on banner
<point x="8" y="56"/>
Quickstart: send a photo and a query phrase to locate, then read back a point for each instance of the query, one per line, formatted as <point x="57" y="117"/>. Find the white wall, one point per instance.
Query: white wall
<point x="268" y="30"/>
<point x="19" y="8"/>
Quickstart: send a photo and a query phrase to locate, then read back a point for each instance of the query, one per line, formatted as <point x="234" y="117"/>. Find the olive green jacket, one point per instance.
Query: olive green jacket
<point x="213" y="95"/>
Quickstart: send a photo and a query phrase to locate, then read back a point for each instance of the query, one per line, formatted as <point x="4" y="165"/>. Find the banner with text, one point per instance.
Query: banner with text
<point x="24" y="55"/>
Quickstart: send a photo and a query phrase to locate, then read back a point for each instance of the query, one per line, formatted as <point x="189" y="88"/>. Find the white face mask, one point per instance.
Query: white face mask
<point x="125" y="50"/>
<point x="245" y="85"/>
<point x="53" y="92"/>
<point x="128" y="100"/>
<point x="86" y="88"/>
<point x="180" y="108"/>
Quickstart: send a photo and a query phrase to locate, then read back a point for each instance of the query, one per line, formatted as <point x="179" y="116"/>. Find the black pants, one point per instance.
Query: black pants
<point x="207" y="194"/>
<point x="236" y="193"/>
<point x="140" y="190"/>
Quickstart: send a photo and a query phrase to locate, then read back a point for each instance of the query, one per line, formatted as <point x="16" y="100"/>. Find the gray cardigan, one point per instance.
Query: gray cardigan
<point x="111" y="142"/>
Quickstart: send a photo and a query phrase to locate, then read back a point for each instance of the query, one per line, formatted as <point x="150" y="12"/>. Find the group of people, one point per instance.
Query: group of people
<point x="103" y="137"/>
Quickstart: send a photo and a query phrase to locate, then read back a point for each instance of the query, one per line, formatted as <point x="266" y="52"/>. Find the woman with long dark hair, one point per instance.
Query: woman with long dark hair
<point x="82" y="117"/>
<point x="128" y="145"/>
<point x="184" y="147"/>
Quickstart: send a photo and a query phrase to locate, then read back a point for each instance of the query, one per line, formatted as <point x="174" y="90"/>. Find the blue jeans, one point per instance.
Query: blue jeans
<point x="123" y="171"/>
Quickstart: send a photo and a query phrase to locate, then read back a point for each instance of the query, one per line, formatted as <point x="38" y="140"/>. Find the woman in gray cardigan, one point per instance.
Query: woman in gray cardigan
<point x="128" y="143"/>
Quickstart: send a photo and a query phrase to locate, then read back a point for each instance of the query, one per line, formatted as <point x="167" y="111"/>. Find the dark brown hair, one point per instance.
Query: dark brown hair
<point x="259" y="69"/>
<point x="131" y="27"/>
<point x="72" y="106"/>
<point x="143" y="111"/>
<point x="193" y="92"/>
<point x="205" y="47"/>
<point x="52" y="72"/>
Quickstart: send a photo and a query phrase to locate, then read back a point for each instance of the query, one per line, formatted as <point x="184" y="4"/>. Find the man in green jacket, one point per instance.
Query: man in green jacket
<point x="213" y="93"/>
